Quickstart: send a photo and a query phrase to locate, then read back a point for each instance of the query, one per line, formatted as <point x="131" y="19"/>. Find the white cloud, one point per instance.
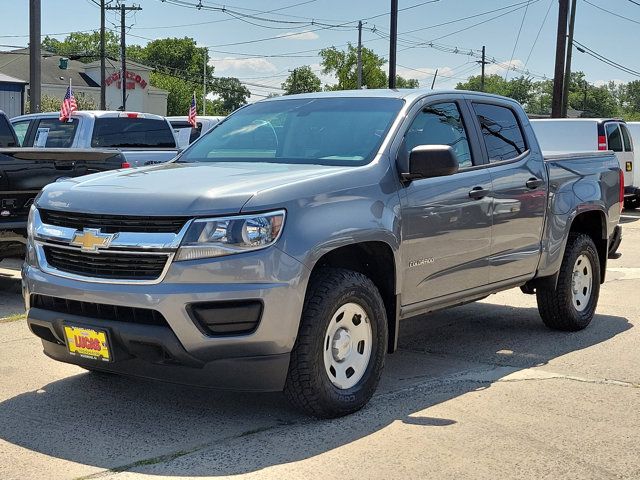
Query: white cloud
<point x="299" y="36"/>
<point x="235" y="66"/>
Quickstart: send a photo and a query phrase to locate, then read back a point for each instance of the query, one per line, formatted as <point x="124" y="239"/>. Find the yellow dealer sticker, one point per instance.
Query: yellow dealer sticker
<point x="87" y="343"/>
<point x="629" y="166"/>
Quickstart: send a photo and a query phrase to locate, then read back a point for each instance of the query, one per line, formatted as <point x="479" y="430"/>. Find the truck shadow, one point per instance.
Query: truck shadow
<point x="126" y="424"/>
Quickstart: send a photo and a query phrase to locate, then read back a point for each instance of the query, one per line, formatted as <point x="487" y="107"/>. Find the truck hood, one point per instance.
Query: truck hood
<point x="196" y="189"/>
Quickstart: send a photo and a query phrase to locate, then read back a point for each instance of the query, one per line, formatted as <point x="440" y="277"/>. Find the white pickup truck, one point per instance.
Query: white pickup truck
<point x="143" y="138"/>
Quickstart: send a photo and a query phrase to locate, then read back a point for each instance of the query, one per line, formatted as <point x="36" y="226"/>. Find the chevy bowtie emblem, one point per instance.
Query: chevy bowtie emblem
<point x="91" y="239"/>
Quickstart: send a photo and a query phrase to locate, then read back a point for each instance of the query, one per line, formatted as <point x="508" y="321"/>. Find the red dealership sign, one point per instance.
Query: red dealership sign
<point x="131" y="79"/>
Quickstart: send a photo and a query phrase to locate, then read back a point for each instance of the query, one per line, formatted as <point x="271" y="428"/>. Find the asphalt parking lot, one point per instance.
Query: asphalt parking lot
<point x="479" y="391"/>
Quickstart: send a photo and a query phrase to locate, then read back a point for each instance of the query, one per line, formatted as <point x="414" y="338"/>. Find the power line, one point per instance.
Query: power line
<point x="515" y="45"/>
<point x="584" y="49"/>
<point x="612" y="13"/>
<point x="535" y="42"/>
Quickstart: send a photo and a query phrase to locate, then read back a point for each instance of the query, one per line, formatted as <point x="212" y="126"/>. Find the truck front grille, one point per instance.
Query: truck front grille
<point x="109" y="265"/>
<point x="113" y="223"/>
<point x="101" y="311"/>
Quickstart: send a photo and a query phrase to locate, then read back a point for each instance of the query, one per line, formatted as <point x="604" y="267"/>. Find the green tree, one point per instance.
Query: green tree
<point x="176" y="56"/>
<point x="232" y="94"/>
<point x="83" y="46"/>
<point x="49" y="103"/>
<point x="302" y="80"/>
<point x="180" y="92"/>
<point x="407" y="82"/>
<point x="343" y="65"/>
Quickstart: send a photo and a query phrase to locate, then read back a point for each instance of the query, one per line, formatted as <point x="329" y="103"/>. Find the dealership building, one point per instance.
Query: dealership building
<point x="85" y="79"/>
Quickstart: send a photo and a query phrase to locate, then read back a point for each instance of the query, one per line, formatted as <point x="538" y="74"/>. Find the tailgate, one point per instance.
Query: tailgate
<point x="25" y="171"/>
<point x="142" y="157"/>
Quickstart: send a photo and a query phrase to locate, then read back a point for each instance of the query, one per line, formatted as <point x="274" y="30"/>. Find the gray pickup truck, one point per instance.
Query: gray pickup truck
<point x="281" y="250"/>
<point x="143" y="138"/>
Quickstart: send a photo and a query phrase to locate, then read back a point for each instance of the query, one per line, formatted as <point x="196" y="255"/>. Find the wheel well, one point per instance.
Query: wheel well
<point x="376" y="261"/>
<point x="593" y="224"/>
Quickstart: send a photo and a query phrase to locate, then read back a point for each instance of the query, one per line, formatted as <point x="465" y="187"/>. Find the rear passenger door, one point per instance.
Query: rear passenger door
<point x="52" y="133"/>
<point x="628" y="158"/>
<point x="519" y="183"/>
<point x="446" y="221"/>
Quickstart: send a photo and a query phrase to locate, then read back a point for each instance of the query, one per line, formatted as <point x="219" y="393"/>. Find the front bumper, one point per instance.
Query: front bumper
<point x="180" y="351"/>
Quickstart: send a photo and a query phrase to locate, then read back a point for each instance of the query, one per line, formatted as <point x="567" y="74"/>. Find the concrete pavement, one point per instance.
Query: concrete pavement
<point x="479" y="391"/>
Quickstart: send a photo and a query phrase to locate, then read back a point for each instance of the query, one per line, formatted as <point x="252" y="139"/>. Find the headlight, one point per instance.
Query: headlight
<point x="30" y="222"/>
<point x="216" y="237"/>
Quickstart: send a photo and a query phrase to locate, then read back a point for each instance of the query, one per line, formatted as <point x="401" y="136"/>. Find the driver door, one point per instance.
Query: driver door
<point x="446" y="227"/>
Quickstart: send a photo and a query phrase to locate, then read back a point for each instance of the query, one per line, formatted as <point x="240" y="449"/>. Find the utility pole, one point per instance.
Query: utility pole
<point x="567" y="71"/>
<point x="204" y="82"/>
<point x="359" y="54"/>
<point x="35" y="66"/>
<point x="483" y="62"/>
<point x="123" y="49"/>
<point x="561" y="50"/>
<point x="103" y="91"/>
<point x="393" y="43"/>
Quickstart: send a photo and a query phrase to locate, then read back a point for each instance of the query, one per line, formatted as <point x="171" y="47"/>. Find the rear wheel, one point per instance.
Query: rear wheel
<point x="339" y="354"/>
<point x="572" y="304"/>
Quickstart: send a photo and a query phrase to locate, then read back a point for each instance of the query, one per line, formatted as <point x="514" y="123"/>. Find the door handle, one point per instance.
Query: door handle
<point x="534" y="183"/>
<point x="478" y="193"/>
<point x="63" y="165"/>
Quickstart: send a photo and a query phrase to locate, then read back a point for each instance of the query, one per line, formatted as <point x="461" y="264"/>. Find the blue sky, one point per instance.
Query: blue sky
<point x="307" y="32"/>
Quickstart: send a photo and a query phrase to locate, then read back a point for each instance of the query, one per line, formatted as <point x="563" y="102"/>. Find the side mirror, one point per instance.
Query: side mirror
<point x="427" y="161"/>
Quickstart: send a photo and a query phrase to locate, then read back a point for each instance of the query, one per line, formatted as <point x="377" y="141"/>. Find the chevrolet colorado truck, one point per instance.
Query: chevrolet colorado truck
<point x="23" y="173"/>
<point x="282" y="249"/>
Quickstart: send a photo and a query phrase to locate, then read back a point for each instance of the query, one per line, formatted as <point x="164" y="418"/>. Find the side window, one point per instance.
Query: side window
<point x="501" y="132"/>
<point x="626" y="138"/>
<point x="6" y="133"/>
<point x="21" y="131"/>
<point x="614" y="139"/>
<point x="53" y="133"/>
<point x="440" y="124"/>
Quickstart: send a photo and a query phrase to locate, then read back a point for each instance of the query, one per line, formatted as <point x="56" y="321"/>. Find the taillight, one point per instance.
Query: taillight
<point x="602" y="142"/>
<point x="621" y="189"/>
<point x="125" y="165"/>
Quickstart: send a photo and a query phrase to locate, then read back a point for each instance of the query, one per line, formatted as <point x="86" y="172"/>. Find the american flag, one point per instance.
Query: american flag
<point x="68" y="106"/>
<point x="192" y="112"/>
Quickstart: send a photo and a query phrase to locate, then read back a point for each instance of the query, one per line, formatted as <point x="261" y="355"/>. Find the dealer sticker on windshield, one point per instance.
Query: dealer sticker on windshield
<point x="87" y="343"/>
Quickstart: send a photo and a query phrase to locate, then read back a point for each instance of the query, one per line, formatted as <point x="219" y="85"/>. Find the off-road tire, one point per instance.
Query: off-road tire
<point x="308" y="386"/>
<point x="556" y="305"/>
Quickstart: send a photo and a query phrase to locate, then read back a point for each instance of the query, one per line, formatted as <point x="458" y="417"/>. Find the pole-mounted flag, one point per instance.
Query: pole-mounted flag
<point x="69" y="104"/>
<point x="192" y="111"/>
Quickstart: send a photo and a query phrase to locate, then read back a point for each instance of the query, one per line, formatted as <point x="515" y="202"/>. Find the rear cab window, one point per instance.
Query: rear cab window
<point x="52" y="133"/>
<point x="501" y="132"/>
<point x="132" y="132"/>
<point x="614" y="139"/>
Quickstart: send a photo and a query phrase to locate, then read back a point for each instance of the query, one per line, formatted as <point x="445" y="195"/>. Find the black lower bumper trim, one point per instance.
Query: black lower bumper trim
<point x="155" y="352"/>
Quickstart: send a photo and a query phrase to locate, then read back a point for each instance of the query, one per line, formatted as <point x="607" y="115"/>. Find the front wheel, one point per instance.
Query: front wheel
<point x="339" y="354"/>
<point x="572" y="304"/>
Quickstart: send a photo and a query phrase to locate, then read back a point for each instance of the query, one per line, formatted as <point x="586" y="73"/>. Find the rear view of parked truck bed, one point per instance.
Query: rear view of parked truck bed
<point x="309" y="226"/>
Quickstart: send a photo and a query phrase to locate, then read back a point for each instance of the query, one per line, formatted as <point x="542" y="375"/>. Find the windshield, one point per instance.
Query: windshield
<point x="325" y="131"/>
<point x="122" y="132"/>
